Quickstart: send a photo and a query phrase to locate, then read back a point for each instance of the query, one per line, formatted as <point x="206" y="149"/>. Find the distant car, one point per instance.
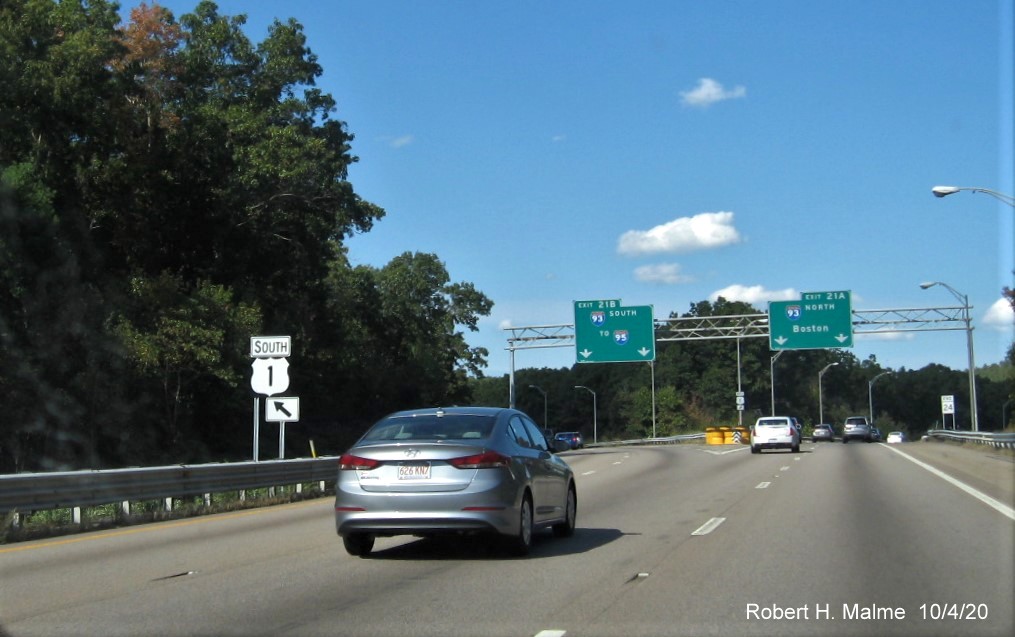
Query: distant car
<point x="895" y="437"/>
<point x="822" y="432"/>
<point x="856" y="428"/>
<point x="454" y="470"/>
<point x="775" y="432"/>
<point x="573" y="439"/>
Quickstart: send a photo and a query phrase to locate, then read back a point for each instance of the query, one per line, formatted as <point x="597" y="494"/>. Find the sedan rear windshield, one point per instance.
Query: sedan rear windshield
<point x="431" y="427"/>
<point x="777" y="422"/>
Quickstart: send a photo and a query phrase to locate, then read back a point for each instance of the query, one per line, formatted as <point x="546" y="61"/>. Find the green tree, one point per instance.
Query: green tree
<point x="175" y="337"/>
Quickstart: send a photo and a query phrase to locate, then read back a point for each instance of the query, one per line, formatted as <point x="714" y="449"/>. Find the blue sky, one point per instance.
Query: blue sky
<point x="667" y="152"/>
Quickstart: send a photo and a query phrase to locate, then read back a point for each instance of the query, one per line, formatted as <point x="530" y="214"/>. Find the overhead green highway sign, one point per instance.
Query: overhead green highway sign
<point x="608" y="332"/>
<point x="819" y="320"/>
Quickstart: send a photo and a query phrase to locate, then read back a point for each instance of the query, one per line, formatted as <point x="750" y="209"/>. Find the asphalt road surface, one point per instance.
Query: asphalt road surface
<point x="858" y="539"/>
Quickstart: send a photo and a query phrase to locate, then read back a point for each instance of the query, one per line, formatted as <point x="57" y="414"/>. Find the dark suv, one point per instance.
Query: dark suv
<point x="857" y="428"/>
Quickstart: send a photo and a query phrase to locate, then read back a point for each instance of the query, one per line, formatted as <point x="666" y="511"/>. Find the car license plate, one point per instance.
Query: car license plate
<point x="415" y="471"/>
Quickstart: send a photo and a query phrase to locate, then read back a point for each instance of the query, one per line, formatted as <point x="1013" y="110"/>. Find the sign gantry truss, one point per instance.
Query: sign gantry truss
<point x="926" y="319"/>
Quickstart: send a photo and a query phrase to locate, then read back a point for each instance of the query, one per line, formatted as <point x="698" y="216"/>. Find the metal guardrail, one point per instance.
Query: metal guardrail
<point x="999" y="440"/>
<point x="69" y="489"/>
<point x="72" y="489"/>
<point x="652" y="441"/>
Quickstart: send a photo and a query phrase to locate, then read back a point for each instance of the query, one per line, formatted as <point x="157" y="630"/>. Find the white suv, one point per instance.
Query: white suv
<point x="775" y="432"/>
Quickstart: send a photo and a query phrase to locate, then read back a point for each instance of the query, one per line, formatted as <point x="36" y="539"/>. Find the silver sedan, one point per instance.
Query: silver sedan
<point x="453" y="470"/>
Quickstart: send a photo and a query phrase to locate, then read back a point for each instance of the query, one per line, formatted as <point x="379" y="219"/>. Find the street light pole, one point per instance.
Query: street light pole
<point x="540" y="390"/>
<point x="870" y="394"/>
<point x="944" y="191"/>
<point x="771" y="375"/>
<point x="974" y="416"/>
<point x="821" y="404"/>
<point x="595" y="437"/>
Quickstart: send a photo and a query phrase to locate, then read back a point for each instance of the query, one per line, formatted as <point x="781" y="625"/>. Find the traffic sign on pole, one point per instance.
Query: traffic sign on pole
<point x="282" y="409"/>
<point x="607" y="332"/>
<point x="270" y="346"/>
<point x="819" y="320"/>
<point x="270" y="376"/>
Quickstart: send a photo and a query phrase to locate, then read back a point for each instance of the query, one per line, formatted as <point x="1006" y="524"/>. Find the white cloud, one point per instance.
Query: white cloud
<point x="709" y="92"/>
<point x="558" y="138"/>
<point x="700" y="232"/>
<point x="668" y="273"/>
<point x="1000" y="315"/>
<point x="400" y="142"/>
<point x="754" y="294"/>
<point x="884" y="336"/>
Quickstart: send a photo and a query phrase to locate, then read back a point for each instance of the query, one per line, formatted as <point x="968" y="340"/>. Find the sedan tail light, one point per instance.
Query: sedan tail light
<point x="485" y="460"/>
<point x="349" y="462"/>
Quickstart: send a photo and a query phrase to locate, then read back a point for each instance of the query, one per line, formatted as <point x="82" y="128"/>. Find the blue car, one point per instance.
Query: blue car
<point x="573" y="439"/>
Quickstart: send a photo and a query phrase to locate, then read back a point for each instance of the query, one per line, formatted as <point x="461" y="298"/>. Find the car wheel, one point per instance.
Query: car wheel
<point x="845" y="440"/>
<point x="358" y="544"/>
<point x="520" y="544"/>
<point x="796" y="448"/>
<point x="566" y="528"/>
<point x="755" y="449"/>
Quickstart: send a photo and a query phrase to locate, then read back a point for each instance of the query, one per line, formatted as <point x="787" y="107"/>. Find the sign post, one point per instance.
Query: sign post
<point x="819" y="320"/>
<point x="947" y="407"/>
<point x="271" y="376"/>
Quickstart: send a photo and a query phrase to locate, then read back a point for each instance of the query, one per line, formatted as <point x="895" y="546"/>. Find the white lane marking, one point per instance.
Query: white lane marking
<point x="763" y="485"/>
<point x="551" y="633"/>
<point x="723" y="453"/>
<point x="982" y="497"/>
<point x="709" y="526"/>
<point x="796" y="459"/>
<point x="618" y="462"/>
<point x="588" y="473"/>
<point x="784" y="469"/>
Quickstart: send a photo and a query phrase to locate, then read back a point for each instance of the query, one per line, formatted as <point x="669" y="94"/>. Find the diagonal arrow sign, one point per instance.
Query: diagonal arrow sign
<point x="280" y="406"/>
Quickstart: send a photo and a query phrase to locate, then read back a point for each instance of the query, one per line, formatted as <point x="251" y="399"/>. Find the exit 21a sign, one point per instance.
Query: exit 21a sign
<point x="819" y="320"/>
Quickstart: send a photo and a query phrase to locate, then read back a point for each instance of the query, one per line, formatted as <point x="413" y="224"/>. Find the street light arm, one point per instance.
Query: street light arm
<point x="958" y="295"/>
<point x="944" y="191"/>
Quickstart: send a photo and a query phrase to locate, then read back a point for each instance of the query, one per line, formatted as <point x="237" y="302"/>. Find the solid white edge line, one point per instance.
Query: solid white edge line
<point x="709" y="526"/>
<point x="982" y="497"/>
